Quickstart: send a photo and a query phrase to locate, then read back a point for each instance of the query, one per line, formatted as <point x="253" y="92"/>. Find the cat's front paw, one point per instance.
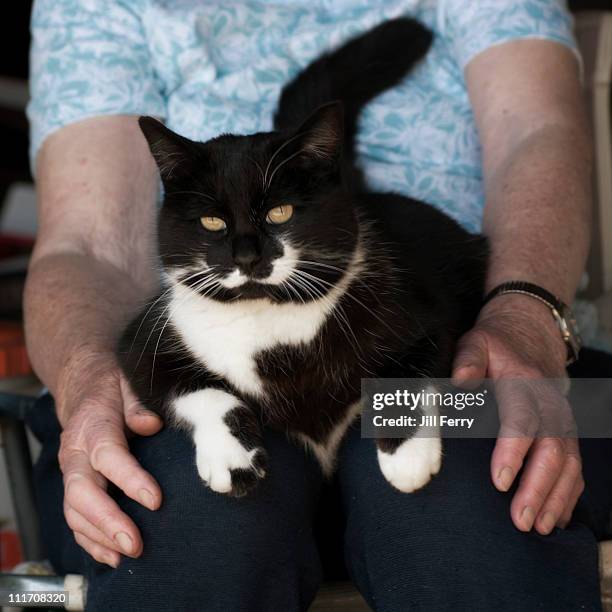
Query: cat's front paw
<point x="226" y="434"/>
<point x="230" y="468"/>
<point x="410" y="465"/>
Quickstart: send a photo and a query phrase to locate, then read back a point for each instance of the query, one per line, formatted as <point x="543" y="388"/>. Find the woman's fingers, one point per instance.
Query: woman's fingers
<point x="566" y="516"/>
<point x="79" y="524"/>
<point x="471" y="360"/>
<point x="518" y="425"/>
<point x="100" y="553"/>
<point x="542" y="471"/>
<point x="561" y="498"/>
<point x="531" y="408"/>
<point x="109" y="455"/>
<point x="508" y="457"/>
<point x="103" y="439"/>
<point x="84" y="491"/>
<point x="138" y="419"/>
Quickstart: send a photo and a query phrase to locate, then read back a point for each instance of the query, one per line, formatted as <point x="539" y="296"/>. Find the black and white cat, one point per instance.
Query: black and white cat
<point x="286" y="281"/>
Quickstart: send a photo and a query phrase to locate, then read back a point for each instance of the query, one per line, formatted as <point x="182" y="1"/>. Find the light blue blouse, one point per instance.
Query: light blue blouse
<point x="213" y="66"/>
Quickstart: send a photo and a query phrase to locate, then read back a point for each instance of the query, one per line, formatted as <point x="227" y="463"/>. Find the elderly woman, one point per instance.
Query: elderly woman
<point x="490" y="128"/>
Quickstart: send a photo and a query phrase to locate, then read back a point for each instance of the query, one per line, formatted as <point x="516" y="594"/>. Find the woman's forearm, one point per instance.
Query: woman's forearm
<point x="93" y="263"/>
<point x="75" y="308"/>
<point x="536" y="158"/>
<point x="538" y="212"/>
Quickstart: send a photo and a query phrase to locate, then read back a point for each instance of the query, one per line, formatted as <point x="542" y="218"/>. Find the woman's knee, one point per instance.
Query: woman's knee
<point x="204" y="550"/>
<point x="453" y="544"/>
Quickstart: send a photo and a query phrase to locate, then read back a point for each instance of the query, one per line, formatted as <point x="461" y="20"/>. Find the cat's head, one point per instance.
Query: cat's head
<point x="260" y="216"/>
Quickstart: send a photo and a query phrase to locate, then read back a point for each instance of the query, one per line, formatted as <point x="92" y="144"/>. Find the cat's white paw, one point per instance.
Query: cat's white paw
<point x="412" y="464"/>
<point x="226" y="437"/>
<point x="228" y="467"/>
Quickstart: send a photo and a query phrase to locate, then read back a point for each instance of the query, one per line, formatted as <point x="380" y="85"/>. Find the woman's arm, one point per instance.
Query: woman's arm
<point x="536" y="151"/>
<point x="93" y="265"/>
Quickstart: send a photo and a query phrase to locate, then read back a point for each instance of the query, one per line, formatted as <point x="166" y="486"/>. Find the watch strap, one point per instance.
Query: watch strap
<point x="535" y="291"/>
<point x="560" y="311"/>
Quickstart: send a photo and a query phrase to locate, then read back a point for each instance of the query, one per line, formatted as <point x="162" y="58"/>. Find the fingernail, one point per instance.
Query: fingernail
<point x="527" y="517"/>
<point x="147" y="413"/>
<point x="112" y="561"/>
<point x="146" y="499"/>
<point x="547" y="522"/>
<point x="462" y="371"/>
<point x="505" y="478"/>
<point x="125" y="542"/>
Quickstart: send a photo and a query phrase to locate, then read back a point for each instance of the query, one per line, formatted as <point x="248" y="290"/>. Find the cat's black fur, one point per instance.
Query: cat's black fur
<point x="417" y="287"/>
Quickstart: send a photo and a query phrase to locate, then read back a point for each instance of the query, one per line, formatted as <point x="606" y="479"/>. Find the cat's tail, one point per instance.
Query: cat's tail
<point x="354" y="74"/>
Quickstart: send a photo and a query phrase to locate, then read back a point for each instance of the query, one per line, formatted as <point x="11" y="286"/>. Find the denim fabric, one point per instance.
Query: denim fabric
<point x="450" y="546"/>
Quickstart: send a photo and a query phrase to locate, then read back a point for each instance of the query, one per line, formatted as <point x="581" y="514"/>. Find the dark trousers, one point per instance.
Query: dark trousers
<point x="450" y="546"/>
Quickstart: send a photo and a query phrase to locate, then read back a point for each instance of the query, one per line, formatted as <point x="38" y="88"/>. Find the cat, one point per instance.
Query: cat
<point x="285" y="280"/>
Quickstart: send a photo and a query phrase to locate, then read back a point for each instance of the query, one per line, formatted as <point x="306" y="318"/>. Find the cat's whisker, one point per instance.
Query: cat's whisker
<point x="156" y="301"/>
<point x="196" y="274"/>
<point x="299" y="283"/>
<point x="338" y="313"/>
<point x="285" y="290"/>
<point x="357" y="279"/>
<point x="281" y="164"/>
<point x="261" y="172"/>
<point x="348" y="293"/>
<point x="290" y="287"/>
<point x="206" y="196"/>
<point x="280" y="148"/>
<point x="318" y="264"/>
<point x="196" y="292"/>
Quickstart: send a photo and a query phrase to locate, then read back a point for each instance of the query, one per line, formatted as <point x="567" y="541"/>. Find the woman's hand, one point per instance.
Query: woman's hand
<point x="94" y="405"/>
<point x="516" y="337"/>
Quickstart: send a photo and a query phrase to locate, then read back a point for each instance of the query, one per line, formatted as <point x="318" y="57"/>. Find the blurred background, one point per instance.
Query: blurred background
<point x="18" y="209"/>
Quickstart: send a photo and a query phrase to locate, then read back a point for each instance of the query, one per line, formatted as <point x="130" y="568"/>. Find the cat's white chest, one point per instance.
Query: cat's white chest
<point x="227" y="337"/>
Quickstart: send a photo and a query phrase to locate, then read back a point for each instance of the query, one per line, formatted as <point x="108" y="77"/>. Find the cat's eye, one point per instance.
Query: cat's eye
<point x="279" y="214"/>
<point x="213" y="224"/>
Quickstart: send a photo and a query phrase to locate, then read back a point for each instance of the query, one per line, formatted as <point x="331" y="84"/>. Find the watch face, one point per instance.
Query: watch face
<point x="570" y="322"/>
<point x="571" y="333"/>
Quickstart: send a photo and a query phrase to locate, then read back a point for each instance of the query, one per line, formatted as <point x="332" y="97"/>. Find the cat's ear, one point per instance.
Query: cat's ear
<point x="323" y="132"/>
<point x="170" y="150"/>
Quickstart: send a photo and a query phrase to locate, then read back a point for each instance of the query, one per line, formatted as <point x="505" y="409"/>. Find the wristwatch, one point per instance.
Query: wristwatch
<point x="561" y="312"/>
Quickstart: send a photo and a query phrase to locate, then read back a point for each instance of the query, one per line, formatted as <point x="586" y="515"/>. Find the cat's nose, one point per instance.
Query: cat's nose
<point x="247" y="253"/>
